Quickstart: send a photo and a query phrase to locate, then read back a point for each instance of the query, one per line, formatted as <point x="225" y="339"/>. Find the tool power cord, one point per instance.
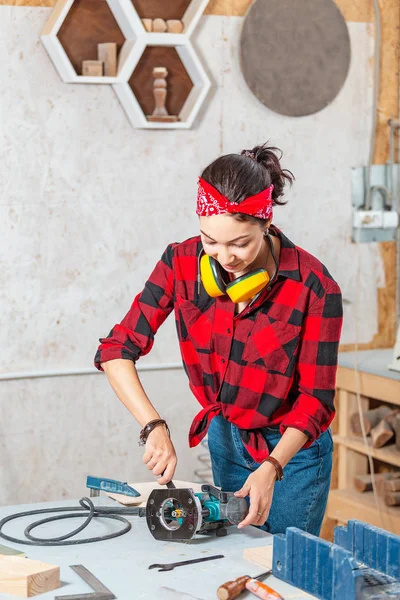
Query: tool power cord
<point x="87" y="507"/>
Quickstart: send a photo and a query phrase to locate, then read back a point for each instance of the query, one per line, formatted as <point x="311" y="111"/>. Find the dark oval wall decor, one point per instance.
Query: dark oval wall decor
<point x="295" y="54"/>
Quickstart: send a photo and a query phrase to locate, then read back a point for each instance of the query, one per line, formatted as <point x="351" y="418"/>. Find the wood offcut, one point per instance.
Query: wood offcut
<point x="23" y="577"/>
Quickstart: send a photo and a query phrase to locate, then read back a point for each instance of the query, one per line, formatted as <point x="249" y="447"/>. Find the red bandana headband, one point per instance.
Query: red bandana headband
<point x="210" y="202"/>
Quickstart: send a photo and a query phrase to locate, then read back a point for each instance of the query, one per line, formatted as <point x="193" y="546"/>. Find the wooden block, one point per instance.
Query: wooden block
<point x="261" y="556"/>
<point x="174" y="26"/>
<point x="381" y="434"/>
<point x="148" y="24"/>
<point x="92" y="68"/>
<point x="107" y="54"/>
<point x="159" y="25"/>
<point x="27" y="578"/>
<point x="371" y="418"/>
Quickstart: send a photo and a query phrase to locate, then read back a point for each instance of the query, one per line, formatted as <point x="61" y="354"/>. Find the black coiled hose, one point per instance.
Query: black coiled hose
<point x="87" y="507"/>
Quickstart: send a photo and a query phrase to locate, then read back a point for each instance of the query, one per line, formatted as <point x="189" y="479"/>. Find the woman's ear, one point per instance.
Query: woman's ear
<point x="267" y="226"/>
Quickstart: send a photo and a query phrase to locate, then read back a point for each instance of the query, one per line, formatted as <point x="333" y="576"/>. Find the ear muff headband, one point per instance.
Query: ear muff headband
<point x="239" y="290"/>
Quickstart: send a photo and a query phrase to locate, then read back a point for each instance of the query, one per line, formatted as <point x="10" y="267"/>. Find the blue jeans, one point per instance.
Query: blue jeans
<point x="300" y="499"/>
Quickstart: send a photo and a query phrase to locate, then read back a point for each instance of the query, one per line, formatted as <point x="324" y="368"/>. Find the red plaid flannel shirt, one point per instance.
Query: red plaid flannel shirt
<point x="272" y="365"/>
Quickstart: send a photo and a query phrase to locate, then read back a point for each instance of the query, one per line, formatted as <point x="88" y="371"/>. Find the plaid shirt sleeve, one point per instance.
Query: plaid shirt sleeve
<point x="313" y="409"/>
<point x="134" y="336"/>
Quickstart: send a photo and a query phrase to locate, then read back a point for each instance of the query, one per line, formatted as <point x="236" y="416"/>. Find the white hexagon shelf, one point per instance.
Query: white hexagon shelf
<point x="65" y="15"/>
<point x="188" y="11"/>
<point x="72" y="34"/>
<point x="194" y="84"/>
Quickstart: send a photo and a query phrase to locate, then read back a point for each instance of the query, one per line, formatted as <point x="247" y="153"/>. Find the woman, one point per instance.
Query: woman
<point x="258" y="322"/>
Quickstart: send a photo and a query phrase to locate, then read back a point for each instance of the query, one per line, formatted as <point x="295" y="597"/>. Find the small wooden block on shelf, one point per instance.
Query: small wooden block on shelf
<point x="92" y="68"/>
<point x="159" y="26"/>
<point x="174" y="26"/>
<point x="148" y="24"/>
<point x="23" y="577"/>
<point x="107" y="54"/>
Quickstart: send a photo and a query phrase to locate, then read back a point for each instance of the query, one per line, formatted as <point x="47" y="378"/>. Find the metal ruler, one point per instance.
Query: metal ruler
<point x="100" y="592"/>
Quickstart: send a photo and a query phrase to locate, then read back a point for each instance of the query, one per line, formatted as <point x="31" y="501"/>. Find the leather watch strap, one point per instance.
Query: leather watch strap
<point x="277" y="465"/>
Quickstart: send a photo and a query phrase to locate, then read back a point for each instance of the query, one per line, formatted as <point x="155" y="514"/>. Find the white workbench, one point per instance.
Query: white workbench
<point x="122" y="563"/>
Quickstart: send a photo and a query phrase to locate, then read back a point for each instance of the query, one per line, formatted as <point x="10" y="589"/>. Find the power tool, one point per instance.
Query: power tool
<point x="179" y="514"/>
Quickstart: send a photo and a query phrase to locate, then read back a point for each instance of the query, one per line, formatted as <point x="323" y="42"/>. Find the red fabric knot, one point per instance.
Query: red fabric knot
<point x="211" y="202"/>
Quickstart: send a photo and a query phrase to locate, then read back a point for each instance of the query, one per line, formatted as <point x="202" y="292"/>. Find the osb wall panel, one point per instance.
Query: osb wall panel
<point x="353" y="10"/>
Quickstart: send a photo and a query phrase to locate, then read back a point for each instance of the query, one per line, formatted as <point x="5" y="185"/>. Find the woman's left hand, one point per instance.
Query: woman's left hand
<point x="260" y="487"/>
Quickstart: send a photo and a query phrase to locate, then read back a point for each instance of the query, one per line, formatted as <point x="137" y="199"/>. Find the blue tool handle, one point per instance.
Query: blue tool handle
<point x="111" y="485"/>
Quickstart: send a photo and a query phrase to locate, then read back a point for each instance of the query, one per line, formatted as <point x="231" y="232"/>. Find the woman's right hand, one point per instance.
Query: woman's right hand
<point x="160" y="455"/>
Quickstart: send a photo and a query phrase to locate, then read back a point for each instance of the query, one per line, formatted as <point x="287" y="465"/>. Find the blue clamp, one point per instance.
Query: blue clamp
<point x="111" y="486"/>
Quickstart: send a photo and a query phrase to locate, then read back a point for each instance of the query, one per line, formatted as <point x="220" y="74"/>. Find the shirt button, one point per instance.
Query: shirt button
<point x="223" y="361"/>
<point x="228" y="330"/>
<point x="268" y="288"/>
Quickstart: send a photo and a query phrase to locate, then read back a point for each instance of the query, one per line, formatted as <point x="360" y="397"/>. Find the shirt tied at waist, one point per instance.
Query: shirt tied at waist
<point x="253" y="439"/>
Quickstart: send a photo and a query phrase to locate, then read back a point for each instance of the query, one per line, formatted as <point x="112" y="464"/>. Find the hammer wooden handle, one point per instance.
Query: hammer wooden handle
<point x="261" y="590"/>
<point x="232" y="589"/>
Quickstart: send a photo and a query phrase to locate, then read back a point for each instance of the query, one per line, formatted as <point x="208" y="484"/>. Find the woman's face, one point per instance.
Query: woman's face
<point x="236" y="245"/>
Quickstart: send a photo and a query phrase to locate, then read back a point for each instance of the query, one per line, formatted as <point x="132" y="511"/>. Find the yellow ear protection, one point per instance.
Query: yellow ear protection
<point x="246" y="287"/>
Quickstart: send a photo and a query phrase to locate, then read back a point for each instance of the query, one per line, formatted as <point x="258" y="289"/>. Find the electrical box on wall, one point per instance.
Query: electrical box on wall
<point x="377" y="222"/>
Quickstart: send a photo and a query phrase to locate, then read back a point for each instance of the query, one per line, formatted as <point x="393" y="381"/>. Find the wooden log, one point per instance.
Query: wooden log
<point x="159" y="25"/>
<point x="371" y="418"/>
<point x="392" y="498"/>
<point x="363" y="483"/>
<point x="392" y="418"/>
<point x="381" y="482"/>
<point x="27" y="578"/>
<point x="395" y="423"/>
<point x="393" y="484"/>
<point x="148" y="24"/>
<point x="107" y="54"/>
<point x="174" y="26"/>
<point x="92" y="68"/>
<point x="381" y="434"/>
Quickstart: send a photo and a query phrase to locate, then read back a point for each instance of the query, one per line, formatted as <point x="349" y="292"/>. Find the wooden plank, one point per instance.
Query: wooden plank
<point x="344" y="505"/>
<point x="27" y="578"/>
<point x="373" y="386"/>
<point x="261" y="556"/>
<point x="388" y="454"/>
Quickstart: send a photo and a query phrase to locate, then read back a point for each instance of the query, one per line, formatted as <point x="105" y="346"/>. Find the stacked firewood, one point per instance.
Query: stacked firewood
<point x="382" y="424"/>
<point x="387" y="486"/>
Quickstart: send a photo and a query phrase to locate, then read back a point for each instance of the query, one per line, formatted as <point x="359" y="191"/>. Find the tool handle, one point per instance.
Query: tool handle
<point x="261" y="590"/>
<point x="232" y="589"/>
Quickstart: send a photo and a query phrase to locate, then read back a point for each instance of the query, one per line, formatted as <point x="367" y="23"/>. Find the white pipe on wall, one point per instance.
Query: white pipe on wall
<point x="87" y="371"/>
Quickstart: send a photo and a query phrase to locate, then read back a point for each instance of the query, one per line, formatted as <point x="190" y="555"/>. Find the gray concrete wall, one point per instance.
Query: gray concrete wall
<point x="88" y="204"/>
